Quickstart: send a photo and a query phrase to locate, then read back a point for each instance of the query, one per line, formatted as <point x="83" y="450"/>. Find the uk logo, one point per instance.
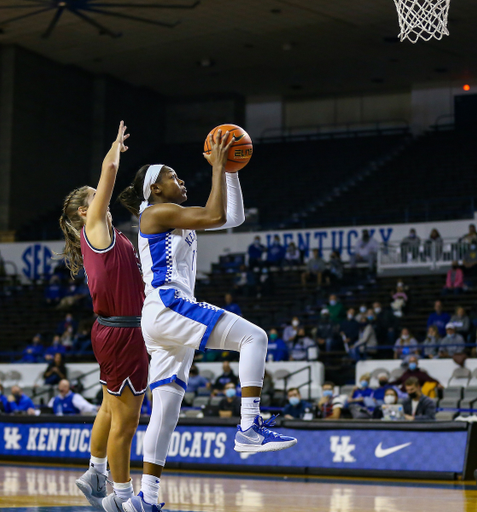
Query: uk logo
<point x="342" y="449"/>
<point x="11" y="436"/>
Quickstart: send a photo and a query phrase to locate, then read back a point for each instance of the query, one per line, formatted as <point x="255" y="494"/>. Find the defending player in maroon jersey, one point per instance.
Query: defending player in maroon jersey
<point x="116" y="287"/>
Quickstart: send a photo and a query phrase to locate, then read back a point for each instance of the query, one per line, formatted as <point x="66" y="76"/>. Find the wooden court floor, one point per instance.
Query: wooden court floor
<point x="25" y="488"/>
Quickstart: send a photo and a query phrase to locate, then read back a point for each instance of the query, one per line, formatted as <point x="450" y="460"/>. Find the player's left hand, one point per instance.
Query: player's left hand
<point x="122" y="136"/>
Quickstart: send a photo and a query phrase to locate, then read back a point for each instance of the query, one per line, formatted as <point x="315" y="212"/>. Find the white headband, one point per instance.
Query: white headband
<point x="151" y="177"/>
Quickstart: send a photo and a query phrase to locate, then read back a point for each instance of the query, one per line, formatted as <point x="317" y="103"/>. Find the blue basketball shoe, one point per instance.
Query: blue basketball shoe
<point x="137" y="504"/>
<point x="258" y="438"/>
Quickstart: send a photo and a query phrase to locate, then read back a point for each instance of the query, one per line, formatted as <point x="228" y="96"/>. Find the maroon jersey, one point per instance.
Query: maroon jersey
<point x="114" y="279"/>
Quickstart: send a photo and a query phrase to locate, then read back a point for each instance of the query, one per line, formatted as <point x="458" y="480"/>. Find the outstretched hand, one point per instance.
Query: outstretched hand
<point x="122" y="136"/>
<point x="220" y="150"/>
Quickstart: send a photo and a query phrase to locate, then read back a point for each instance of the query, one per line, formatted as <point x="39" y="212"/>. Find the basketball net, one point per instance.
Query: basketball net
<point x="422" y="19"/>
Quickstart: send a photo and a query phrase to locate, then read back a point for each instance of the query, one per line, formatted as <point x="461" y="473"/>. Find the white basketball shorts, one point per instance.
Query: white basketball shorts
<point x="174" y="326"/>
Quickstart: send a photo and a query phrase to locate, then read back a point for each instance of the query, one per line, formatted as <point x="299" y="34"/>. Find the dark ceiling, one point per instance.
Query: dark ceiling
<point x="256" y="47"/>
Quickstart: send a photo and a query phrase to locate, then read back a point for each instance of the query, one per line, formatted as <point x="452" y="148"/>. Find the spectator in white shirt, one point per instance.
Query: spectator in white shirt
<point x="366" y="249"/>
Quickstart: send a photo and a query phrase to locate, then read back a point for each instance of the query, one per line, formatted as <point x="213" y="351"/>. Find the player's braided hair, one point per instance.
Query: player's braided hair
<point x="71" y="224"/>
<point x="132" y="197"/>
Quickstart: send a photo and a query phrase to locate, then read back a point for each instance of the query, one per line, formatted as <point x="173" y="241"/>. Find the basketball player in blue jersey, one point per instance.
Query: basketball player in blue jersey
<point x="174" y="324"/>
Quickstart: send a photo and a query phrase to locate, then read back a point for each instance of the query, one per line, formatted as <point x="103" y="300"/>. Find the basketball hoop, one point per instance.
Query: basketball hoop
<point x="422" y="19"/>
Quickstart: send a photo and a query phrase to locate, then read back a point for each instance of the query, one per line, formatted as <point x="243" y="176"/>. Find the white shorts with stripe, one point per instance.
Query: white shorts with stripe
<point x="174" y="326"/>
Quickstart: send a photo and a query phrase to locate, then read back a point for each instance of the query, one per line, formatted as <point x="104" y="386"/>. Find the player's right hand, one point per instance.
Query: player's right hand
<point x="220" y="150"/>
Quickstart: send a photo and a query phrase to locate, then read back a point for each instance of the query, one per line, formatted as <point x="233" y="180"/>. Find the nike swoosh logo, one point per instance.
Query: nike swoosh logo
<point x="256" y="401"/>
<point x="240" y="137"/>
<point x="381" y="452"/>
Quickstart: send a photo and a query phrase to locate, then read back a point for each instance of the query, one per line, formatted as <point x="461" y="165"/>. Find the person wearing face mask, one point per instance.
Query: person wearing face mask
<point x="275" y="253"/>
<point x="296" y="407"/>
<point x="349" y="328"/>
<point x="431" y="343"/>
<point x="410" y="246"/>
<point x="390" y="397"/>
<point x="386" y="326"/>
<point x="255" y="252"/>
<point x="360" y="400"/>
<point x="439" y="318"/>
<point x="20" y="403"/>
<point x="335" y="309"/>
<point x="414" y="371"/>
<point x="326" y="333"/>
<point x="301" y="344"/>
<point x="454" y="280"/>
<point x="67" y="402"/>
<point x="329" y="406"/>
<point x="379" y="393"/>
<point x="291" y="330"/>
<point x="277" y="349"/>
<point x="405" y="346"/>
<point x="367" y="339"/>
<point x="315" y="267"/>
<point x="470" y="237"/>
<point x="417" y="407"/>
<point x="452" y="343"/>
<point x="230" y="405"/>
<point x="361" y="315"/>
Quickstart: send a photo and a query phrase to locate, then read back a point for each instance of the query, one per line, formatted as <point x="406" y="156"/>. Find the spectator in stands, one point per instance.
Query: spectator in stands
<point x="390" y="398"/>
<point x="367" y="339"/>
<point x="55" y="347"/>
<point x="461" y="322"/>
<point x="326" y="332"/>
<point x="430" y="344"/>
<point x="410" y="246"/>
<point x="275" y="253"/>
<point x="292" y="255"/>
<point x="454" y="280"/>
<point x="255" y="252"/>
<point x="56" y="370"/>
<point x="53" y="291"/>
<point x="296" y="408"/>
<point x="330" y="405"/>
<point x="400" y="299"/>
<point x="379" y="392"/>
<point x="417" y="407"/>
<point x="18" y="402"/>
<point x="33" y="353"/>
<point x="245" y="282"/>
<point x="230" y="405"/>
<point x="452" y="343"/>
<point x="196" y="380"/>
<point x="277" y="349"/>
<point x="336" y="309"/>
<point x="74" y="295"/>
<point x="268" y="387"/>
<point x="67" y="402"/>
<point x="386" y="324"/>
<point x="405" y="346"/>
<point x="231" y="305"/>
<point x="69" y="321"/>
<point x="68" y="338"/>
<point x="334" y="273"/>
<point x="414" y="371"/>
<point x="433" y="245"/>
<point x="315" y="267"/>
<point x="361" y="315"/>
<point x="349" y="328"/>
<point x="301" y="345"/>
<point x="227" y="376"/>
<point x="366" y="249"/>
<point x="470" y="263"/>
<point x="470" y="237"/>
<point x="361" y="397"/>
<point x="4" y="404"/>
<point x="439" y="318"/>
<point x="291" y="330"/>
<point x="82" y="340"/>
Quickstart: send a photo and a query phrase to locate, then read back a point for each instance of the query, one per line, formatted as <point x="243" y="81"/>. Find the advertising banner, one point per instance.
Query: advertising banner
<point x="394" y="450"/>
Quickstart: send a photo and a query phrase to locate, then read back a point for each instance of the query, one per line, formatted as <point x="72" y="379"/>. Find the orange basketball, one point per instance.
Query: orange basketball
<point x="241" y="150"/>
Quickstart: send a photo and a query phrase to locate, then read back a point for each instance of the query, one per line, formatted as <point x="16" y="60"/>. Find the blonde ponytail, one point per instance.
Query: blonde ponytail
<point x="71" y="224"/>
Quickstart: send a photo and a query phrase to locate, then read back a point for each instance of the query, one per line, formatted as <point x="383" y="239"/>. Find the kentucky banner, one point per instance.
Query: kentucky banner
<point x="396" y="450"/>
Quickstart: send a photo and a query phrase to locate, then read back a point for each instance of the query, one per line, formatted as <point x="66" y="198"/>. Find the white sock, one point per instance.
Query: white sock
<point x="99" y="464"/>
<point x="150" y="488"/>
<point x="124" y="491"/>
<point x="250" y="409"/>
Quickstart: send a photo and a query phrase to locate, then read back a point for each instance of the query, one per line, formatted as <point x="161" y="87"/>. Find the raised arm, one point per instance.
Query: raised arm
<point x="235" y="209"/>
<point x="164" y="216"/>
<point x="98" y="228"/>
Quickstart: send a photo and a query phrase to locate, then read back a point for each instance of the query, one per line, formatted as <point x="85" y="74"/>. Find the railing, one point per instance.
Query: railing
<point x="336" y="130"/>
<point x="308" y="383"/>
<point x="433" y="254"/>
